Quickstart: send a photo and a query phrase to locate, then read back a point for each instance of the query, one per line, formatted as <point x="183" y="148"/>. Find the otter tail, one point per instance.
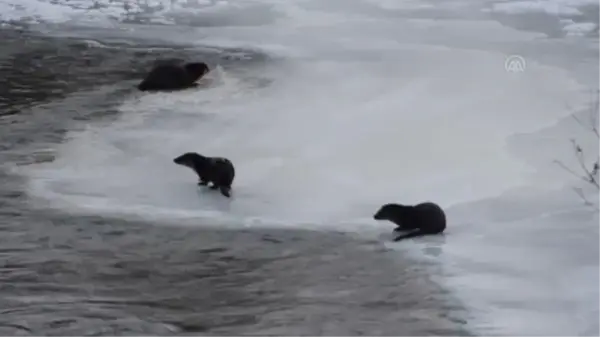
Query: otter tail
<point x="413" y="234"/>
<point x="226" y="191"/>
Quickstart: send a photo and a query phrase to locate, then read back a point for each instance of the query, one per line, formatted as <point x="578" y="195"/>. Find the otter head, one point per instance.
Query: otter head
<point x="191" y="160"/>
<point x="391" y="212"/>
<point x="196" y="70"/>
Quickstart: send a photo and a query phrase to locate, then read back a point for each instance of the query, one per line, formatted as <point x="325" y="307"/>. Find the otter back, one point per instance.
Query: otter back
<point x="166" y="77"/>
<point x="430" y="217"/>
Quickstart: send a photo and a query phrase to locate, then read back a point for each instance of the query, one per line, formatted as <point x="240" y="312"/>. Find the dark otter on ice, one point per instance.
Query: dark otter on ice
<point x="422" y="219"/>
<point x="173" y="76"/>
<point x="219" y="171"/>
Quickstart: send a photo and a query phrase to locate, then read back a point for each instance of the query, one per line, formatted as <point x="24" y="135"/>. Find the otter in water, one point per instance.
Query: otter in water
<point x="219" y="171"/>
<point x="422" y="219"/>
<point x="165" y="77"/>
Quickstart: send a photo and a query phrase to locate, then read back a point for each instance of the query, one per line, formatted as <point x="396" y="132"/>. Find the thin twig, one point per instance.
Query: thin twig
<point x="589" y="175"/>
<point x="575" y="174"/>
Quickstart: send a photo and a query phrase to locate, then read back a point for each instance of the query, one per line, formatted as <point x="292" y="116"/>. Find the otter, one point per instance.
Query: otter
<point x="166" y="77"/>
<point x="422" y="219"/>
<point x="218" y="170"/>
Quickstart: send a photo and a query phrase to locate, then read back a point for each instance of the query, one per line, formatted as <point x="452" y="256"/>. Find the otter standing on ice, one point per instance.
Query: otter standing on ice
<point x="422" y="219"/>
<point x="219" y="171"/>
<point x="167" y="77"/>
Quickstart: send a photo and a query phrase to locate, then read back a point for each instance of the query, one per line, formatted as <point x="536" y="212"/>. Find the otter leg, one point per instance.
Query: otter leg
<point x="202" y="180"/>
<point x="214" y="186"/>
<point x="412" y="234"/>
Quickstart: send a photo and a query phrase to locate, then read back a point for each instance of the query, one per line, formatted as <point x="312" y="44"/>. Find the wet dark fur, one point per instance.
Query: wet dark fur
<point x="165" y="77"/>
<point x="219" y="171"/>
<point x="422" y="219"/>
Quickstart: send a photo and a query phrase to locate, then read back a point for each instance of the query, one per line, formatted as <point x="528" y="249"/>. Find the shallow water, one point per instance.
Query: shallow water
<point x="67" y="273"/>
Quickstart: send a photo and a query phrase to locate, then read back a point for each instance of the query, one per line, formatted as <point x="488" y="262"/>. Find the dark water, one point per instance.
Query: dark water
<point x="64" y="274"/>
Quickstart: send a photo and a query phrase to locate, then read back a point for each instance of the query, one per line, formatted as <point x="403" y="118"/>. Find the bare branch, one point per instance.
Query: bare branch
<point x="575" y="174"/>
<point x="587" y="174"/>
